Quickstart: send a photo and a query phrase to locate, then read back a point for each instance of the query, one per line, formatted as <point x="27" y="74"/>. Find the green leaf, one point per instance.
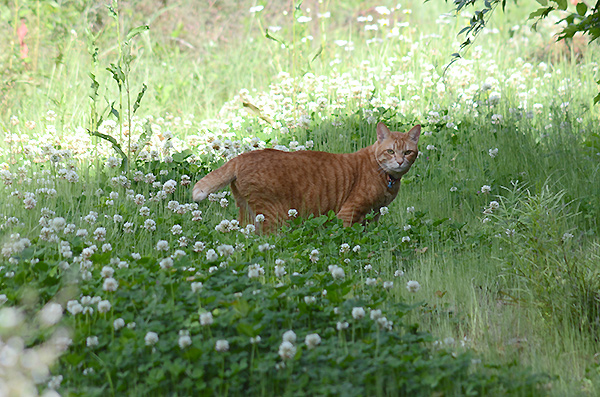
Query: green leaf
<point x="597" y="99"/>
<point x="581" y="8"/>
<point x="562" y="4"/>
<point x="542" y="2"/>
<point x="268" y="36"/>
<point x="136" y="104"/>
<point x="135" y="31"/>
<point x="317" y="54"/>
<point x="541" y="12"/>
<point x="180" y="157"/>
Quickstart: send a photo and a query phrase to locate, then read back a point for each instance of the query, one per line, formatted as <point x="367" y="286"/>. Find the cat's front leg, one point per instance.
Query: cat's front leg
<point x="350" y="214"/>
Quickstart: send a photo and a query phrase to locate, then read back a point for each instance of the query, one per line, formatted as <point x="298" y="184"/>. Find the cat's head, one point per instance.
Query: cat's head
<point x="396" y="151"/>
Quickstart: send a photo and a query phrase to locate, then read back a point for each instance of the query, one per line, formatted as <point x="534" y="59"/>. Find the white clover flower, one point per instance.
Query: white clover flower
<point x="58" y="224"/>
<point x="256" y="9"/>
<point x="178" y="254"/>
<point x="292" y="213"/>
<point x="399" y="273"/>
<point x="206" y="318"/>
<point x="255" y="339"/>
<point x="344" y="248"/>
<point x="314" y="255"/>
<point x="196" y="286"/>
<point x="265" y="247"/>
<point x="196" y="215"/>
<point x="169" y="186"/>
<point x="384" y="211"/>
<point x="260" y="218"/>
<point x="162" y="245"/>
<point x="176" y="229"/>
<point x="496" y="118"/>
<point x="413" y="286"/>
<point x="225" y="250"/>
<point x="50" y="314"/>
<point x="136" y="256"/>
<point x="151" y="338"/>
<point x="287" y="350"/>
<point x="493" y="152"/>
<point x="356" y="249"/>
<point x="342" y="325"/>
<point x="81" y="233"/>
<point x="494" y="205"/>
<point x="106" y="247"/>
<point x="337" y="272"/>
<point x="128" y="226"/>
<point x="567" y="236"/>
<point x="289" y="336"/>
<point x="406" y="239"/>
<point x="110" y="284"/>
<point x="304" y="19"/>
<point x="453" y="189"/>
<point x="184" y="339"/>
<point x="310" y="299"/>
<point x="91" y="341"/>
<point x="358" y="313"/>
<point x="150" y="225"/>
<point x="199" y="246"/>
<point x="384" y="323"/>
<point x="388" y="284"/>
<point x="375" y="314"/>
<point x="118" y="324"/>
<point x="166" y="263"/>
<point x="486" y="189"/>
<point x="280" y="271"/>
<point x="117" y="218"/>
<point x="100" y="234"/>
<point x="144" y="211"/>
<point x="312" y="340"/>
<point x="222" y="345"/>
<point x="104" y="306"/>
<point x="410" y="209"/>
<point x="255" y="271"/>
<point x="370" y="281"/>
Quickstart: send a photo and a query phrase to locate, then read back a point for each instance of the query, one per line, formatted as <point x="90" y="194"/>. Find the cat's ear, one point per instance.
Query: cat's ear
<point x="414" y="133"/>
<point x="382" y="132"/>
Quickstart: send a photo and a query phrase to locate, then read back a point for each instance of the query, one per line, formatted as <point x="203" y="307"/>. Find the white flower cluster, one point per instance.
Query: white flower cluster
<point x="15" y="245"/>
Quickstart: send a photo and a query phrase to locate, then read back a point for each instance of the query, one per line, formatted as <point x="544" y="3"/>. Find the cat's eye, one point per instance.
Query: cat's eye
<point x="390" y="151"/>
<point x="408" y="152"/>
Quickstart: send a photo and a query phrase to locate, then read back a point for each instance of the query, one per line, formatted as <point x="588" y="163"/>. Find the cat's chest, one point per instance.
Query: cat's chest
<point x="385" y="196"/>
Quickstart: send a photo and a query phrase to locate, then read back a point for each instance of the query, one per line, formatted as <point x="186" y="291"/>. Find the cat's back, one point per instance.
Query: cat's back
<point x="269" y="157"/>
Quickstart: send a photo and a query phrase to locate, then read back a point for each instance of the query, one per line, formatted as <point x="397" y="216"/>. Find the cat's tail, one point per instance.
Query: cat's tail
<point x="215" y="180"/>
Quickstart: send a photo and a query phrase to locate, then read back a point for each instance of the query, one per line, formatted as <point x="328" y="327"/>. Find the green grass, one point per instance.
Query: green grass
<point x="508" y="300"/>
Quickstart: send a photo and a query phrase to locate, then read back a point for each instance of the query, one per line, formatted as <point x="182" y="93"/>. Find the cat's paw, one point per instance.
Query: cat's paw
<point x="198" y="194"/>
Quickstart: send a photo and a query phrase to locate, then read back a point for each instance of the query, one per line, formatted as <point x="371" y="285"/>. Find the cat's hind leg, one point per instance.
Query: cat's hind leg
<point x="246" y="215"/>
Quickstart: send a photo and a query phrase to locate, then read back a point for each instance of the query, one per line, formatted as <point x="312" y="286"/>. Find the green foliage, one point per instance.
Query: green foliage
<point x="585" y="20"/>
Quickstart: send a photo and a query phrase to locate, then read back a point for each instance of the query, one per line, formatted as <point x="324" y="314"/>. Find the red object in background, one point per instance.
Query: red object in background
<point x="21" y="33"/>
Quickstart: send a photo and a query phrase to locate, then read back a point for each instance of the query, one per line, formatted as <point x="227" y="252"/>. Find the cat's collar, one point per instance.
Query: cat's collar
<point x="391" y="181"/>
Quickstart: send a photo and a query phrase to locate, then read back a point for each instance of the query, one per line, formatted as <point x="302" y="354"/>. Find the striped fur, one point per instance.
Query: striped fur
<point x="271" y="182"/>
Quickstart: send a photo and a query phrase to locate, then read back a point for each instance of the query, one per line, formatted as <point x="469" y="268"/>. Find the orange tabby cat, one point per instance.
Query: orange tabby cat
<point x="271" y="182"/>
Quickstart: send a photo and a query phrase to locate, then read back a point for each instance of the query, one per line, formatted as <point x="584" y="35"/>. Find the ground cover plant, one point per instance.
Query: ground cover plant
<point x="481" y="278"/>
